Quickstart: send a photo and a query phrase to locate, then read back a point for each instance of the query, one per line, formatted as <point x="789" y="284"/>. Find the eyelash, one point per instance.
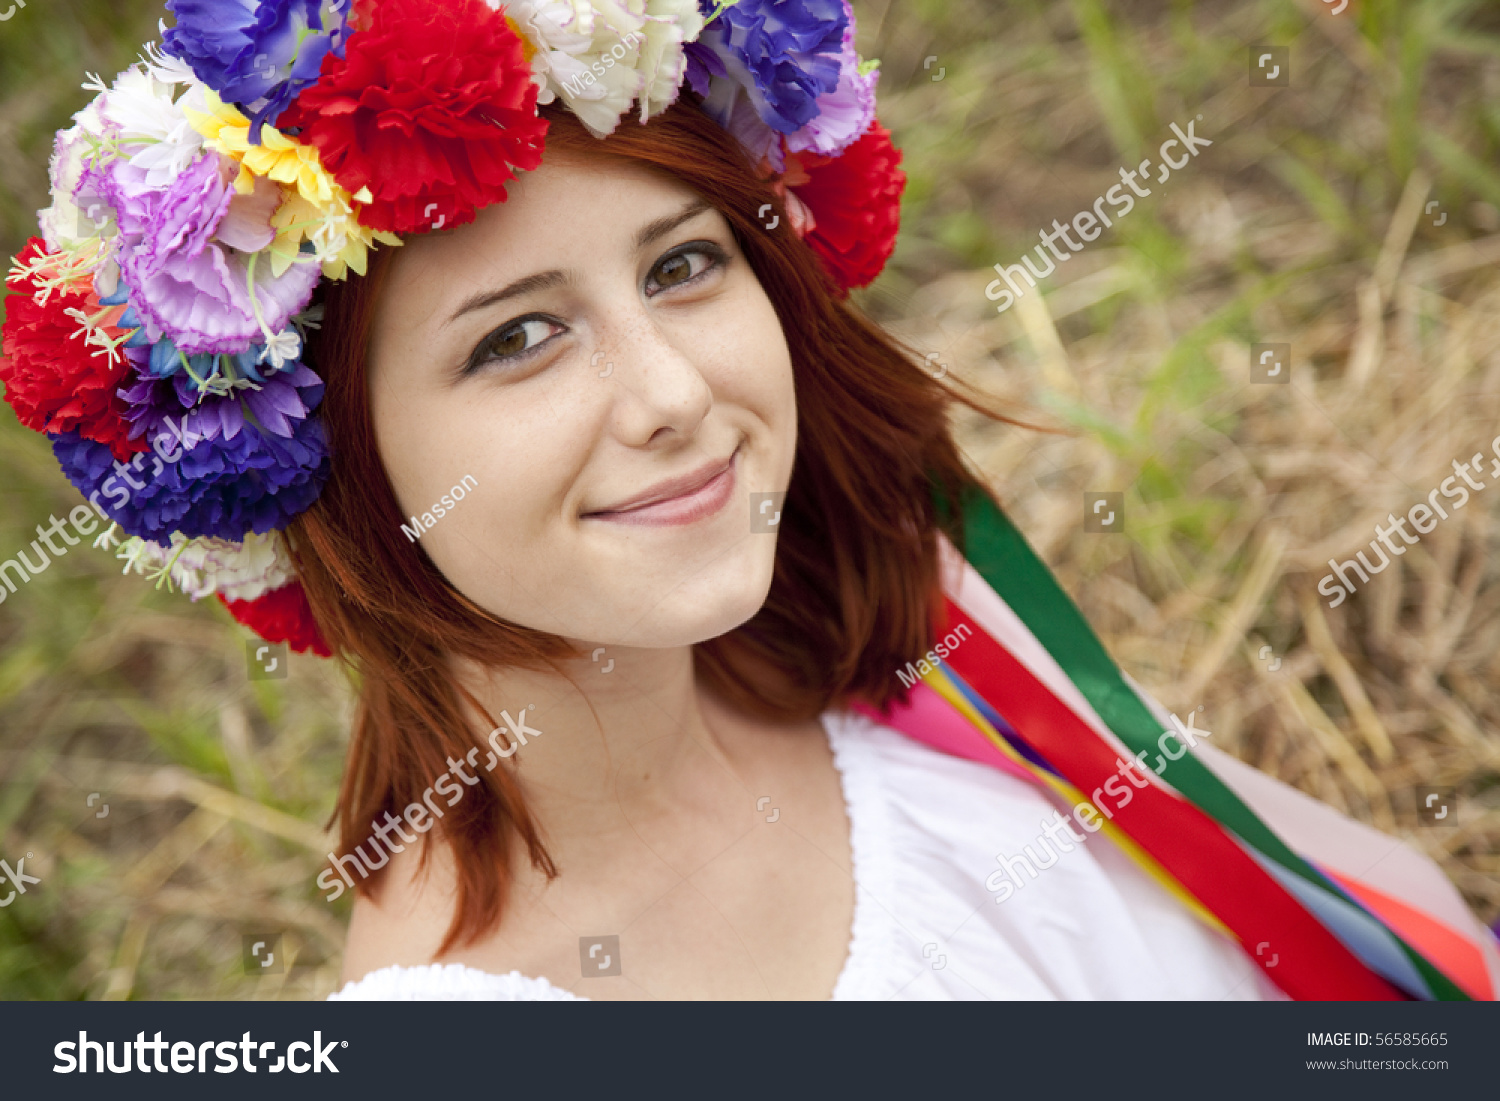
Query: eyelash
<point x="717" y="260"/>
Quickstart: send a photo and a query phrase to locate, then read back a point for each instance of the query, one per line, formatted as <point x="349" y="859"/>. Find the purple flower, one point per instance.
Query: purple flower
<point x="185" y="282"/>
<point x="156" y="397"/>
<point x="781" y="54"/>
<point x="258" y="459"/>
<point x="258" y="53"/>
<point x="844" y="113"/>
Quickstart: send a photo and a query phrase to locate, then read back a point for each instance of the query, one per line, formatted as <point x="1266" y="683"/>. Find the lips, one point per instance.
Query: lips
<point x="681" y="500"/>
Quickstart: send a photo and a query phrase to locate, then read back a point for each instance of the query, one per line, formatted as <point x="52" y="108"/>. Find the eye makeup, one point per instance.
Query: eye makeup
<point x="521" y="339"/>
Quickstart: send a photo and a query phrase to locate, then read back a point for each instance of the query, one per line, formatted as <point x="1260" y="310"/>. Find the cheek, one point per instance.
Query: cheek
<point x="754" y="367"/>
<point x="518" y="451"/>
<point x="770" y="391"/>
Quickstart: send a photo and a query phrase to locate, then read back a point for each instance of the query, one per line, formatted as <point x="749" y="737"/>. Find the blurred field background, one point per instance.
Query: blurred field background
<point x="1307" y="223"/>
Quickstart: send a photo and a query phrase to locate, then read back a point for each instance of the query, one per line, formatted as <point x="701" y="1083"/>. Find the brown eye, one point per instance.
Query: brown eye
<point x="517" y="338"/>
<point x="514" y="342"/>
<point x="673" y="270"/>
<point x="683" y="267"/>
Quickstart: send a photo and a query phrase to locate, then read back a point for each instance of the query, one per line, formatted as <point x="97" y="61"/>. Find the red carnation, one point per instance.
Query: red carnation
<point x="855" y="199"/>
<point x="432" y="107"/>
<point x="54" y="381"/>
<point x="281" y="615"/>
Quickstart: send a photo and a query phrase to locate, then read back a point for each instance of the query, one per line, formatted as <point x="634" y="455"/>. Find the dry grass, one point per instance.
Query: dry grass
<point x="1304" y="224"/>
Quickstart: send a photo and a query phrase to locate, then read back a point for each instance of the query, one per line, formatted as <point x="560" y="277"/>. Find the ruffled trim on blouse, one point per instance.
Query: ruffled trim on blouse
<point x="875" y="938"/>
<point x="449" y="982"/>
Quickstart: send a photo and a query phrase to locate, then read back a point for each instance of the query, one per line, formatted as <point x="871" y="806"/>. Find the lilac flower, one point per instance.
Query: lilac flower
<point x="185" y="282"/>
<point x="781" y="54"/>
<point x="846" y="112"/>
<point x="756" y="138"/>
<point x="259" y="53"/>
<point x="67" y="221"/>
<point x="260" y="458"/>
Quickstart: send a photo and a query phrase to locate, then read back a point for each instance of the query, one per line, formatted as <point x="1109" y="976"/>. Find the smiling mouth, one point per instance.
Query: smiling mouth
<point x="677" y="501"/>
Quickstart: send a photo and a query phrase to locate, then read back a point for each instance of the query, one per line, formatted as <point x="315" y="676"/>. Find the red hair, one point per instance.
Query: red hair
<point x="855" y="585"/>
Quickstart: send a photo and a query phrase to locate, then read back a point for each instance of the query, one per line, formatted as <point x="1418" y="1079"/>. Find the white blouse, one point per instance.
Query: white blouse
<point x="927" y="831"/>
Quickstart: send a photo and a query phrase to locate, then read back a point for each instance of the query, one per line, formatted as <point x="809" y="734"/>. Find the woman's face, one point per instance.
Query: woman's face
<point x="594" y="362"/>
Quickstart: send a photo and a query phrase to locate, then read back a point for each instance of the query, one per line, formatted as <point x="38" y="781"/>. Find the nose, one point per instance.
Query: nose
<point x="660" y="393"/>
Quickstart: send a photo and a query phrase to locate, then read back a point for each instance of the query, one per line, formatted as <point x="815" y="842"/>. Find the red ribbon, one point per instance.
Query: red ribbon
<point x="1309" y="962"/>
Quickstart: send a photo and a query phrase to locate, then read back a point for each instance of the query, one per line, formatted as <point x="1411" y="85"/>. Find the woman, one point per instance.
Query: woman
<point x="619" y="420"/>
<point x="643" y="544"/>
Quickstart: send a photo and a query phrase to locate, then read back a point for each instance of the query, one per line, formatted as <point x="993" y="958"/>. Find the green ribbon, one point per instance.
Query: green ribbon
<point x="1006" y="561"/>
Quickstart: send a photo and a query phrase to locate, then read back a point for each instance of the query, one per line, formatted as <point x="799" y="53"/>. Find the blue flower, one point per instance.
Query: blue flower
<point x="162" y="359"/>
<point x="257" y="53"/>
<point x="783" y="55"/>
<point x="240" y="473"/>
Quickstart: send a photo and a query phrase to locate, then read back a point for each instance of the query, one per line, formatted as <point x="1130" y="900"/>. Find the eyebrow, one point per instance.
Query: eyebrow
<point x="547" y="280"/>
<point x="663" y="226"/>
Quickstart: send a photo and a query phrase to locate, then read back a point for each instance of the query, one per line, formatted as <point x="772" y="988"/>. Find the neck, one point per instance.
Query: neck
<point x="608" y="741"/>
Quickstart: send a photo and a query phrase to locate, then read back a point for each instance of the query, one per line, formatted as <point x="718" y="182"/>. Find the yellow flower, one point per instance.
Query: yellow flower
<point x="341" y="243"/>
<point x="314" y="207"/>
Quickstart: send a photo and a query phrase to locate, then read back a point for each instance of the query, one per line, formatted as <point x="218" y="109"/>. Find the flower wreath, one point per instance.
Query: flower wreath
<point x="268" y="144"/>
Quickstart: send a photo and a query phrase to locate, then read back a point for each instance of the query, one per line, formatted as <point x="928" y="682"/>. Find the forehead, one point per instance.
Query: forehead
<point x="569" y="207"/>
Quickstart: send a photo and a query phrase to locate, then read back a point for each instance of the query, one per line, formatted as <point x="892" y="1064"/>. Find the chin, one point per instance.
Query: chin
<point x="711" y="603"/>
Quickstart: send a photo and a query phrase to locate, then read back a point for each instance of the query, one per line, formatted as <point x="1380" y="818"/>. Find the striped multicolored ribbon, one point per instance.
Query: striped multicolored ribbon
<point x="1031" y="690"/>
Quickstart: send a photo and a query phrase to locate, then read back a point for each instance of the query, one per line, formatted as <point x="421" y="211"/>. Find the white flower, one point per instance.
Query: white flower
<point x="136" y="553"/>
<point x="64" y="225"/>
<point x="140" y="118"/>
<point x="205" y="566"/>
<point x="163" y="66"/>
<point x="670" y="25"/>
<point x="153" y="132"/>
<point x="600" y="56"/>
<point x="107" y="277"/>
<point x="281" y="348"/>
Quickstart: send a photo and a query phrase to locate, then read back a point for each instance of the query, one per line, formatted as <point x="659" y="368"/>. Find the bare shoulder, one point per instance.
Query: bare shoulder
<point x="403" y="920"/>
